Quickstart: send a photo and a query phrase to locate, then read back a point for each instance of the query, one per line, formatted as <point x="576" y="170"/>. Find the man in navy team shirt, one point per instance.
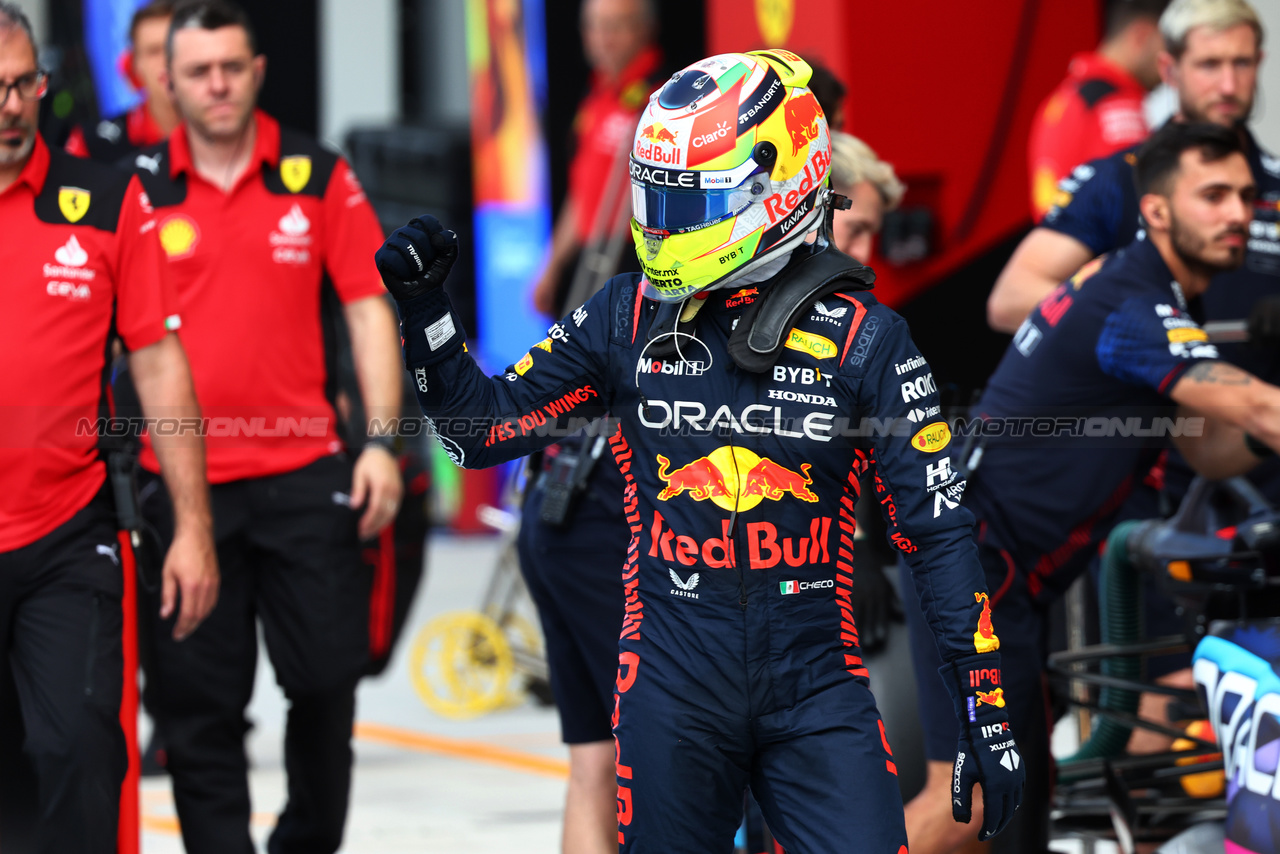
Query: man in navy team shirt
<point x="1213" y="50"/>
<point x="1118" y="340"/>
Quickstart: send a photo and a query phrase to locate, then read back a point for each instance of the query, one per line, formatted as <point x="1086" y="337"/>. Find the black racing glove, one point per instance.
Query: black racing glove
<point x="417" y="257"/>
<point x="875" y="603"/>
<point x="986" y="754"/>
<point x="414" y="262"/>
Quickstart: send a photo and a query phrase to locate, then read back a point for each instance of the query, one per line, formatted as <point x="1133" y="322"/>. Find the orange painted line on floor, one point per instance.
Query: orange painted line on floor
<point x="167" y="824"/>
<point x="476" y="751"/>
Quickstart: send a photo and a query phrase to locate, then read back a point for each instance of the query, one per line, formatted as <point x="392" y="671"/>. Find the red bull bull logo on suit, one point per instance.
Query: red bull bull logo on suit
<point x="735" y="478"/>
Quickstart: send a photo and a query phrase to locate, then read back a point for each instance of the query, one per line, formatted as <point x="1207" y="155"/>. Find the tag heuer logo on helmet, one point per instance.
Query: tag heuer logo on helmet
<point x="663" y="177"/>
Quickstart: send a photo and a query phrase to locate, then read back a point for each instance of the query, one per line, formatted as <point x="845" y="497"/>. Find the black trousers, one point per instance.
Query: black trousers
<point x="60" y="639"/>
<point x="289" y="557"/>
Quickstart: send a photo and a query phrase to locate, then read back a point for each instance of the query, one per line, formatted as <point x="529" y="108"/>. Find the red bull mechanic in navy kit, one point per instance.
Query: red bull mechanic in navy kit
<point x="755" y="379"/>
<point x="1084" y="401"/>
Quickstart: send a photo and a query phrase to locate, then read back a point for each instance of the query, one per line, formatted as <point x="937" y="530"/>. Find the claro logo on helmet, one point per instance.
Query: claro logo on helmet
<point x="663" y="177"/>
<point x="720" y="131"/>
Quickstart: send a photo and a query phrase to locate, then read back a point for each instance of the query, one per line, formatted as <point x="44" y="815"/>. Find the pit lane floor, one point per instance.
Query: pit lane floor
<point x="423" y="783"/>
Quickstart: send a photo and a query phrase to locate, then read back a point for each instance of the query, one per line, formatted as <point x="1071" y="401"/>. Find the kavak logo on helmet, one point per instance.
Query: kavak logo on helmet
<point x="73" y="202"/>
<point x="774" y="18"/>
<point x="295" y="172"/>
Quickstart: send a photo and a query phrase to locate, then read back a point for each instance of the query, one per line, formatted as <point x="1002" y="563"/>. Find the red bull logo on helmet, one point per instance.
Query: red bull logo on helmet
<point x="657" y="133"/>
<point x="735" y="478"/>
<point x="657" y="144"/>
<point x="802" y="121"/>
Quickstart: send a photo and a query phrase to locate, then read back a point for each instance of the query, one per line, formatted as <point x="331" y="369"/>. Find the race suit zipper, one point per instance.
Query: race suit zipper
<point x="733" y="534"/>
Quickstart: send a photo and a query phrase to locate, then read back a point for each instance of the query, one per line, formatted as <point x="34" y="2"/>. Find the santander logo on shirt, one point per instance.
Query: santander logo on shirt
<point x="71" y="254"/>
<point x="68" y="277"/>
<point x="292" y="238"/>
<point x="295" y="222"/>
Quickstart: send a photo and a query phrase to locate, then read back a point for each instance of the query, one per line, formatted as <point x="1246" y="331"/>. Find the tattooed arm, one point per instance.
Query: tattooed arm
<point x="1234" y="402"/>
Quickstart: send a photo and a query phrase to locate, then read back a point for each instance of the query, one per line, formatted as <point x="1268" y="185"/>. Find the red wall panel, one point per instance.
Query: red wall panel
<point x="943" y="90"/>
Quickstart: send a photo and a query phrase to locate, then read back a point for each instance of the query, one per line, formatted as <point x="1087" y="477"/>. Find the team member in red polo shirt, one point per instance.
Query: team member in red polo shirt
<point x="617" y="38"/>
<point x="1097" y="110"/>
<point x="113" y="139"/>
<point x="81" y="262"/>
<point x="253" y="220"/>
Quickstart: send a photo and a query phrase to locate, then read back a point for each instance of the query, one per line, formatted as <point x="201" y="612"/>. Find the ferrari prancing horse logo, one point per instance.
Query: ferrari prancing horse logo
<point x="73" y="202"/>
<point x="295" y="172"/>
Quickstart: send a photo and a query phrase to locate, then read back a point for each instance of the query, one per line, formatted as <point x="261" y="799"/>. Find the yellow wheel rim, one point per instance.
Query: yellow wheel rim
<point x="461" y="665"/>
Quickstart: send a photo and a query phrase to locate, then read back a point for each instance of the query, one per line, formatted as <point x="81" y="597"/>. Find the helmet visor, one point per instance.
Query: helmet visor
<point x="674" y="202"/>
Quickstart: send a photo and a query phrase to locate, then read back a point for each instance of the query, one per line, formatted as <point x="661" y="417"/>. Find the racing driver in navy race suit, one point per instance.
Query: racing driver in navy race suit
<point x="755" y="379"/>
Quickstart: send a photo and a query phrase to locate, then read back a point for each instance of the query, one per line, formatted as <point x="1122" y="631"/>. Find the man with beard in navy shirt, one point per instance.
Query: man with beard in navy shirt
<point x="1118" y="340"/>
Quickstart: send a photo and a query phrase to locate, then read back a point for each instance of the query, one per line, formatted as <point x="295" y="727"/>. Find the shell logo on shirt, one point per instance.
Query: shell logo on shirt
<point x="179" y="236"/>
<point x="73" y="202"/>
<point x="295" y="172"/>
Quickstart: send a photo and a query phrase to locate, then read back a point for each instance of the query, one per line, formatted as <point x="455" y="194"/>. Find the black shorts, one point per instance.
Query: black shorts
<point x="574" y="574"/>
